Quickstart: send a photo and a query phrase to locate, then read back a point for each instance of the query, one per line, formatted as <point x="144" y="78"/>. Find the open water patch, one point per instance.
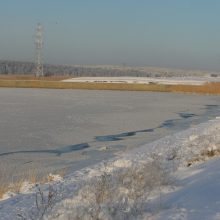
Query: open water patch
<point x="57" y="152"/>
<point x="121" y="136"/>
<point x="169" y="123"/>
<point x="178" y="123"/>
<point x="185" y="120"/>
<point x="186" y="115"/>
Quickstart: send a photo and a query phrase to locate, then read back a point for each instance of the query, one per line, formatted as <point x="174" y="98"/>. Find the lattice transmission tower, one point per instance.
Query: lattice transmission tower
<point x="39" y="71"/>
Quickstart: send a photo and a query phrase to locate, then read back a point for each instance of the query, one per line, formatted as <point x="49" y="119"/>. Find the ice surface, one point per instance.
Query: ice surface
<point x="53" y="129"/>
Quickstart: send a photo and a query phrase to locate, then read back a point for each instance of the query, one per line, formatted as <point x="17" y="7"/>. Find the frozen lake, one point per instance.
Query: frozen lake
<point x="54" y="129"/>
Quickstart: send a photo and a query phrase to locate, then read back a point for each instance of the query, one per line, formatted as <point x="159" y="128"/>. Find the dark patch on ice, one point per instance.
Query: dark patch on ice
<point x="169" y="123"/>
<point x="146" y="130"/>
<point x="75" y="147"/>
<point x="28" y="162"/>
<point x="110" y="138"/>
<point x="179" y="123"/>
<point x="121" y="136"/>
<point x="211" y="106"/>
<point x="58" y="152"/>
<point x="187" y="115"/>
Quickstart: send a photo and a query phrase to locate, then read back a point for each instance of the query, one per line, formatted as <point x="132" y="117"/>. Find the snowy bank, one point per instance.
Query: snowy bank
<point x="176" y="153"/>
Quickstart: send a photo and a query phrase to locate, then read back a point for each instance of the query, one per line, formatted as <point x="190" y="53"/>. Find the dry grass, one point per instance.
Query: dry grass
<point x="208" y="88"/>
<point x="9" y="182"/>
<point x="204" y="156"/>
<point x="14" y="184"/>
<point x="76" y="85"/>
<point x="4" y="186"/>
<point x="54" y="82"/>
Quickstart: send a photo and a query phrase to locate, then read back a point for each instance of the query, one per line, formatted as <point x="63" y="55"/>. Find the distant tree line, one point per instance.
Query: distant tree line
<point x="28" y="68"/>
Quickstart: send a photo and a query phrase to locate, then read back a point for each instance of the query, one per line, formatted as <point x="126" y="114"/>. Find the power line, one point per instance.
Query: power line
<point x="39" y="46"/>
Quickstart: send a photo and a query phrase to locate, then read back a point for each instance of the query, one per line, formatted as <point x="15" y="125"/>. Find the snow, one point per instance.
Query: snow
<point x="199" y="197"/>
<point x="196" y="194"/>
<point x="146" y="80"/>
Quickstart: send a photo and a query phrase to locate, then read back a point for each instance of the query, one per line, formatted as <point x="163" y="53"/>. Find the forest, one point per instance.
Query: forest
<point x="28" y="68"/>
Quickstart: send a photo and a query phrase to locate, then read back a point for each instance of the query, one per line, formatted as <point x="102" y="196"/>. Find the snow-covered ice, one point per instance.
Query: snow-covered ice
<point x="48" y="130"/>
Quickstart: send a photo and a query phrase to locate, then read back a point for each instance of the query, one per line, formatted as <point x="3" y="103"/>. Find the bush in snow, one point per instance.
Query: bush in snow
<point x="120" y="194"/>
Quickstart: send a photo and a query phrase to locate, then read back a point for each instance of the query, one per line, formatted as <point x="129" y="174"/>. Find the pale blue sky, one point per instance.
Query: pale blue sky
<point x="169" y="33"/>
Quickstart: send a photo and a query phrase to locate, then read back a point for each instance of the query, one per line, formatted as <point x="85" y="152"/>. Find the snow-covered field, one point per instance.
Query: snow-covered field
<point x="192" y="192"/>
<point x="147" y="80"/>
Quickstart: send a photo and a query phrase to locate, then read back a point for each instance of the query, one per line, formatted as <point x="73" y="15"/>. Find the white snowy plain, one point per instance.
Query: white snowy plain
<point x="194" y="195"/>
<point x="146" y="80"/>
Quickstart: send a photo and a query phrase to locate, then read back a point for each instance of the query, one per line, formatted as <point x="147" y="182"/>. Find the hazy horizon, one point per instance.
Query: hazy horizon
<point x="169" y="34"/>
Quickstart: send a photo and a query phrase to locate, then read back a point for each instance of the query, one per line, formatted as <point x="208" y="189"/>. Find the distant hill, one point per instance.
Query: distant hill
<point x="27" y="68"/>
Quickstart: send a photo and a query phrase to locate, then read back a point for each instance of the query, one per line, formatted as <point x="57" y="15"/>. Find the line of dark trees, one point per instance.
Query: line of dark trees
<point x="28" y="68"/>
